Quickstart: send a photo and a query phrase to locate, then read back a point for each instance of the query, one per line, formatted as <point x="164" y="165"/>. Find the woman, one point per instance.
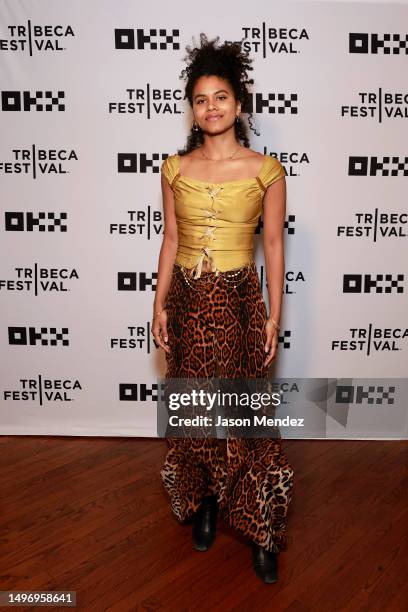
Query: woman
<point x="209" y="314"/>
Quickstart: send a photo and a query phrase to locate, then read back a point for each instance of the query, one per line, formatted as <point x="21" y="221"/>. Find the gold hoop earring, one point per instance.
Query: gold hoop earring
<point x="195" y="127"/>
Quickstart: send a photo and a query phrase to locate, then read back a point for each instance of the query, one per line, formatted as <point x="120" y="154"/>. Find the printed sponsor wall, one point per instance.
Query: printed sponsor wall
<point x="91" y="105"/>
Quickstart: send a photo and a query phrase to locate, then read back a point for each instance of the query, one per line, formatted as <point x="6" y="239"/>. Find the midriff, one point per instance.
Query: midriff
<point x="206" y="267"/>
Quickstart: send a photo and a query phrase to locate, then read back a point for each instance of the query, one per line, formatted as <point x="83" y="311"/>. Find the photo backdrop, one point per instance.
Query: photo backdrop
<point x="91" y="105"/>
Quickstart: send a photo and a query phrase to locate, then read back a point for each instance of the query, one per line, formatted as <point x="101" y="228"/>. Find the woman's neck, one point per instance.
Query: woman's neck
<point x="220" y="146"/>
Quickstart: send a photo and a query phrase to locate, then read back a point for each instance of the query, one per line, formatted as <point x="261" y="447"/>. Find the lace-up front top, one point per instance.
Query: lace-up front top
<point x="217" y="221"/>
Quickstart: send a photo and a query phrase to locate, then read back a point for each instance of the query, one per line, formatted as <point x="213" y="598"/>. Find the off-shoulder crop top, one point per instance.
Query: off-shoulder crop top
<point x="217" y="221"/>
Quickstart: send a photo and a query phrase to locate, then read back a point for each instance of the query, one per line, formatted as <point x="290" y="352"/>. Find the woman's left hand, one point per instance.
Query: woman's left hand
<point x="272" y="339"/>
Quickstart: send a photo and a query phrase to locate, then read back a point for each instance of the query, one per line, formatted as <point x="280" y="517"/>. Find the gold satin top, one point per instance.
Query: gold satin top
<point x="217" y="221"/>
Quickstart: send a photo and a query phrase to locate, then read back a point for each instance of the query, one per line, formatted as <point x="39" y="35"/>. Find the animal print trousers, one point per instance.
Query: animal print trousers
<point x="218" y="329"/>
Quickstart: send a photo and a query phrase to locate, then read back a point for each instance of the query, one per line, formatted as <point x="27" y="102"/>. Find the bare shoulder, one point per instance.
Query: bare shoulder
<point x="250" y="155"/>
<point x="252" y="159"/>
<point x="192" y="154"/>
<point x="187" y="161"/>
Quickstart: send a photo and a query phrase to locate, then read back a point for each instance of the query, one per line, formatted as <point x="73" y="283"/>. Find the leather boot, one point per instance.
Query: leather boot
<point x="204" y="523"/>
<point x="265" y="563"/>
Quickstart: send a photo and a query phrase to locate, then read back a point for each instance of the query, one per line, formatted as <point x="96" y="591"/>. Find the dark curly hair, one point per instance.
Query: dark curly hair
<point x="228" y="61"/>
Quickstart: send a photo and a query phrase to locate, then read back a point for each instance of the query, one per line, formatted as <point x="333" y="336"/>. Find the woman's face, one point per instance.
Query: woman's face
<point x="214" y="104"/>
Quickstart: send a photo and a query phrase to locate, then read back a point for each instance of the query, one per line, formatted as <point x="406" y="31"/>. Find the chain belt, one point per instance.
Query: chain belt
<point x="232" y="277"/>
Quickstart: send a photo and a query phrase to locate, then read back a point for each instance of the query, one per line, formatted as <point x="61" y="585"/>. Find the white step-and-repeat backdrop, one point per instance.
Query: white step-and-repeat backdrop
<point x="92" y="103"/>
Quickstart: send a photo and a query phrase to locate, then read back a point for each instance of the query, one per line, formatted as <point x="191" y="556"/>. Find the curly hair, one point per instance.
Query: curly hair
<point x="228" y="61"/>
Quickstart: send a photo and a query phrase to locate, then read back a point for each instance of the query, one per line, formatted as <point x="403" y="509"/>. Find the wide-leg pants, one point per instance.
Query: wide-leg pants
<point x="218" y="329"/>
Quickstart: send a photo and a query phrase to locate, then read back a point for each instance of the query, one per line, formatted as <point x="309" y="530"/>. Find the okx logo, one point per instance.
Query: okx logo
<point x="289" y="225"/>
<point x="141" y="39"/>
<point x="372" y="283"/>
<point x="40" y="222"/>
<point x="365" y="394"/>
<point x="375" y="43"/>
<point x="362" y="165"/>
<point x="18" y="101"/>
<point x="133" y="162"/>
<point x="44" y="336"/>
<point x="133" y="392"/>
<point x="136" y="281"/>
<point x="273" y="103"/>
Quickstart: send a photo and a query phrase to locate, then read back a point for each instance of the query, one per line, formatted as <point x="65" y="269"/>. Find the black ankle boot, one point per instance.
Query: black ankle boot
<point x="204" y="523"/>
<point x="265" y="563"/>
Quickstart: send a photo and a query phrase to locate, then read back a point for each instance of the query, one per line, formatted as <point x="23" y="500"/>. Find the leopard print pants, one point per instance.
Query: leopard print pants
<point x="221" y="332"/>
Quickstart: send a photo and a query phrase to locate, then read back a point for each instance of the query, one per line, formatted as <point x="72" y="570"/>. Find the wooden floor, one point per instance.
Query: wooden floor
<point x="91" y="515"/>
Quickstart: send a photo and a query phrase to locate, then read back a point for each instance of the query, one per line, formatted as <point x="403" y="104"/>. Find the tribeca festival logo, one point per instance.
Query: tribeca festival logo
<point x="19" y="221"/>
<point x="272" y="103"/>
<point x="148" y="101"/>
<point x="17" y="101"/>
<point x="42" y="336"/>
<point x="380" y="106"/>
<point x="140" y="162"/>
<point x="372" y="339"/>
<point x="33" y="38"/>
<point x="136" y="337"/>
<point x="363" y="165"/>
<point x="153" y="39"/>
<point x="294" y="280"/>
<point x="292" y="161"/>
<point x="42" y="390"/>
<point x="375" y="226"/>
<point x="141" y="223"/>
<point x="373" y="283"/>
<point x="273" y="40"/>
<point x="38" y="280"/>
<point x="37" y="161"/>
<point x="374" y="43"/>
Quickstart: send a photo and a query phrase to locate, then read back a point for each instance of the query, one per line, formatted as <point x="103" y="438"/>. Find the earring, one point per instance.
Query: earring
<point x="237" y="119"/>
<point x="195" y="127"/>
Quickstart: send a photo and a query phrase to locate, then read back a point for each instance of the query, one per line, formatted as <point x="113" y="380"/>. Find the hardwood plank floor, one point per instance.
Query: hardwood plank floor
<point x="91" y="515"/>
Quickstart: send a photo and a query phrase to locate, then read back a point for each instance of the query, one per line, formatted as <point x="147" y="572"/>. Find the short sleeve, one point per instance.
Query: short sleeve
<point x="272" y="171"/>
<point x="168" y="168"/>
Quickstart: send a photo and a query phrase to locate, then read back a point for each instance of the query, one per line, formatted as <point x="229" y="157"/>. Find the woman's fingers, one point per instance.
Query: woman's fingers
<point x="164" y="331"/>
<point x="159" y="332"/>
<point x="271" y="342"/>
<point x="158" y="337"/>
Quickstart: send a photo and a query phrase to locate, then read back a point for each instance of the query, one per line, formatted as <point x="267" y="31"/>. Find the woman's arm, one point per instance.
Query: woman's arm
<point x="274" y="212"/>
<point x="167" y="257"/>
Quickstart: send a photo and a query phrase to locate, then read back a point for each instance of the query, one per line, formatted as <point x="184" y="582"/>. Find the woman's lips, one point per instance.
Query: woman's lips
<point x="213" y="118"/>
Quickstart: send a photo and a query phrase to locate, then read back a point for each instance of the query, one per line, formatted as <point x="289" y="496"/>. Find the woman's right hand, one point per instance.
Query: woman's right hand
<point x="159" y="330"/>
